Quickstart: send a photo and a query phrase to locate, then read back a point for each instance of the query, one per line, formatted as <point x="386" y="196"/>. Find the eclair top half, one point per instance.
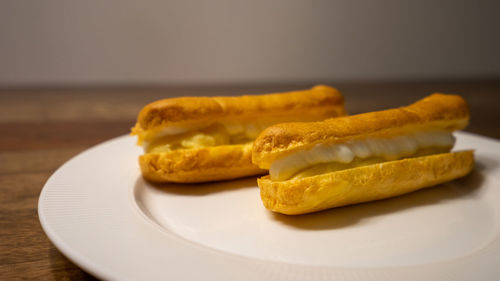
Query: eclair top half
<point x="175" y="116"/>
<point x="437" y="112"/>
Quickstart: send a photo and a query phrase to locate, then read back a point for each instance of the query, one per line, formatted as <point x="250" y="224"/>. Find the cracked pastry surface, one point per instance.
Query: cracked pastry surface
<point x="370" y="148"/>
<point x="199" y="139"/>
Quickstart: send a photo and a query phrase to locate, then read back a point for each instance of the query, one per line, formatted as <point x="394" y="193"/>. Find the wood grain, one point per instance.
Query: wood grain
<point x="43" y="128"/>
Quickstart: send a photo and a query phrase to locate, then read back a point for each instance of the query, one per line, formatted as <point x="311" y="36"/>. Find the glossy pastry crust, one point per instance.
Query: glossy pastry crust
<point x="320" y="100"/>
<point x="199" y="165"/>
<point x="363" y="184"/>
<point x="227" y="161"/>
<point x="437" y="111"/>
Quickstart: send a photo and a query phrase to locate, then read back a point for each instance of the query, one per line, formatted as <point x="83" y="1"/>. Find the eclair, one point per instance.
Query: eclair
<point x="353" y="159"/>
<point x="202" y="139"/>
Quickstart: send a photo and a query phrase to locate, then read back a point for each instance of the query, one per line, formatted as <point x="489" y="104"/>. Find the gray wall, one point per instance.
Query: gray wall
<point x="139" y="42"/>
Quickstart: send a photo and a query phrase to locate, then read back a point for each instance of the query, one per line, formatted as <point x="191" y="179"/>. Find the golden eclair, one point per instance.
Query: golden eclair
<point x="352" y="159"/>
<point x="201" y="139"/>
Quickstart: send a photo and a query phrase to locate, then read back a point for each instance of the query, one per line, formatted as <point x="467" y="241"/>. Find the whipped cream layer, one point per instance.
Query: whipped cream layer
<point x="251" y="130"/>
<point x="204" y="135"/>
<point x="387" y="149"/>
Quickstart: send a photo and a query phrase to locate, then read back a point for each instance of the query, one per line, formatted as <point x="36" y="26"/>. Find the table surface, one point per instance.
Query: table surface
<point x="43" y="128"/>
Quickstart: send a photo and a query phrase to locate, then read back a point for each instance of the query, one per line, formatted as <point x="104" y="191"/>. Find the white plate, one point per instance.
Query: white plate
<point x="101" y="214"/>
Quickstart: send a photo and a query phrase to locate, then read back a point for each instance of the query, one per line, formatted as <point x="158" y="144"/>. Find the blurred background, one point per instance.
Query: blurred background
<point x="76" y="73"/>
<point x="95" y="42"/>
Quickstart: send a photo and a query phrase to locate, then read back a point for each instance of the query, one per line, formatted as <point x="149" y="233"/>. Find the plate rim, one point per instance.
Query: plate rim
<point x="103" y="272"/>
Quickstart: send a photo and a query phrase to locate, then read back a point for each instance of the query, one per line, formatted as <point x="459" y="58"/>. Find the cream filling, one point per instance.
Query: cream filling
<point x="235" y="129"/>
<point x="215" y="134"/>
<point x="350" y="153"/>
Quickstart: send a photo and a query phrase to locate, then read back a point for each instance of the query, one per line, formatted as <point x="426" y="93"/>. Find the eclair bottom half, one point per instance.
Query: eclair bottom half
<point x="363" y="184"/>
<point x="199" y="164"/>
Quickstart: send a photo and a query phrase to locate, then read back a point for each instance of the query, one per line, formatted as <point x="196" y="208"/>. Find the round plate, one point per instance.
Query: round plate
<point x="100" y="213"/>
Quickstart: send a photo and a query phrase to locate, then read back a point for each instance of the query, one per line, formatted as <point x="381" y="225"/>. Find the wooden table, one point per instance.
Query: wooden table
<point x="43" y="128"/>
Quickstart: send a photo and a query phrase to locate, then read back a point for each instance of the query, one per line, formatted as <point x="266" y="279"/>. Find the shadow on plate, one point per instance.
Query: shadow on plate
<point x="484" y="163"/>
<point x="349" y="215"/>
<point x="199" y="189"/>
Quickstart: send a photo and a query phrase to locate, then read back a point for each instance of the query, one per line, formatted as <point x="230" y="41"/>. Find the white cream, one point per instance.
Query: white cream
<point x="210" y="134"/>
<point x="167" y="131"/>
<point x="387" y="148"/>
